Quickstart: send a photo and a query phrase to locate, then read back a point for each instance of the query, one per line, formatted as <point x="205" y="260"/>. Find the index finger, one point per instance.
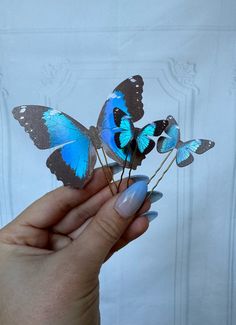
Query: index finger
<point x="53" y="206"/>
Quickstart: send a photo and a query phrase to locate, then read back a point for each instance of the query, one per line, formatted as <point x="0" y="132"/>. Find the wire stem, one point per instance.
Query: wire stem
<point x="131" y="164"/>
<point x="104" y="171"/>
<point x="123" y="171"/>
<point x="158" y="181"/>
<point x="105" y="157"/>
<point x="159" y="168"/>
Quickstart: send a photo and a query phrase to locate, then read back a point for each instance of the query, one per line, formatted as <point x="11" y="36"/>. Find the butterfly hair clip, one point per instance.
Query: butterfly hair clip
<point x="184" y="150"/>
<point x="77" y="148"/>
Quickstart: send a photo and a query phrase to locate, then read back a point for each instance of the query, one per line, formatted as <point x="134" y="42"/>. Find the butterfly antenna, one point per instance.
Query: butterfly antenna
<point x="131" y="163"/>
<point x="158" y="181"/>
<point x="159" y="168"/>
<point x="123" y="171"/>
<point x="111" y="174"/>
<point x="104" y="171"/>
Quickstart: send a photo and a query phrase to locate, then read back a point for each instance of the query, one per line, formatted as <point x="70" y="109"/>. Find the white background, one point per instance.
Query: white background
<point x="70" y="55"/>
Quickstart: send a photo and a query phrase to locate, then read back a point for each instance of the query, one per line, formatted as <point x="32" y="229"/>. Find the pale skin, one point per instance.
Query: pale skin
<point x="52" y="253"/>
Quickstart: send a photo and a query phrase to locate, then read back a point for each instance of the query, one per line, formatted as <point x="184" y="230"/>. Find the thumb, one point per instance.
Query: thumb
<point x="111" y="222"/>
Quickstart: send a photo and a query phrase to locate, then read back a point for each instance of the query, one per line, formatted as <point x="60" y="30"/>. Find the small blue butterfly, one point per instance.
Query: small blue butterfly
<point x="130" y="137"/>
<point x="184" y="155"/>
<point x="74" y="159"/>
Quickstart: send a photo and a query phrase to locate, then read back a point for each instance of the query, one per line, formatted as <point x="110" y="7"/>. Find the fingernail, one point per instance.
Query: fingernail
<point x="138" y="178"/>
<point x="150" y="215"/>
<point x="155" y="196"/>
<point x="131" y="199"/>
<point x="115" y="168"/>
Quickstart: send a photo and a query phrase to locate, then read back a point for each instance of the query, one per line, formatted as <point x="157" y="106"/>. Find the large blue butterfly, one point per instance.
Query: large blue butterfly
<point x="184" y="155"/>
<point x="74" y="159"/>
<point x="115" y="124"/>
<point x="127" y="97"/>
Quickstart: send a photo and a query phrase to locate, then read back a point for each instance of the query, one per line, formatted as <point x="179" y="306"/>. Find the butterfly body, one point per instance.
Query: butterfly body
<point x="184" y="152"/>
<point x="94" y="135"/>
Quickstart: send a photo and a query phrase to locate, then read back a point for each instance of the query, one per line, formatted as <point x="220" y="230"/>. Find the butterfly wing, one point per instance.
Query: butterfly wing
<point x="166" y="144"/>
<point x="74" y="162"/>
<point x="184" y="156"/>
<point x="48" y="128"/>
<point x="125" y="129"/>
<point x="144" y="143"/>
<point x="132" y="89"/>
<point x="125" y="98"/>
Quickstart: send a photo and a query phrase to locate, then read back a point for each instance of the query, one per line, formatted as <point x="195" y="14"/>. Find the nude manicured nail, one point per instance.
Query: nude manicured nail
<point x="115" y="168"/>
<point x="150" y="215"/>
<point x="129" y="201"/>
<point x="155" y="196"/>
<point x="137" y="178"/>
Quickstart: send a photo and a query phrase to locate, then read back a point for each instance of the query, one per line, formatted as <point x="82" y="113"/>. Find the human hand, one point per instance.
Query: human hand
<point x="51" y="254"/>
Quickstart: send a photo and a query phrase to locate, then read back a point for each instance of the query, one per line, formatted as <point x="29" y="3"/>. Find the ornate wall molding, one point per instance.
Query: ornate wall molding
<point x="179" y="80"/>
<point x="57" y="82"/>
<point x="6" y="207"/>
<point x="231" y="309"/>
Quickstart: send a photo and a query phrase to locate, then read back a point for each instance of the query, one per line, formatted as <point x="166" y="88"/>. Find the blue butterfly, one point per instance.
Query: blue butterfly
<point x="184" y="155"/>
<point x="127" y="97"/>
<point x="115" y="124"/>
<point x="73" y="162"/>
<point x="135" y="139"/>
<point x="75" y="146"/>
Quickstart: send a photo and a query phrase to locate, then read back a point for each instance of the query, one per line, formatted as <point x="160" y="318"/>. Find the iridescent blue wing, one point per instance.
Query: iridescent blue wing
<point x="131" y="90"/>
<point x="74" y="161"/>
<point x="165" y="144"/>
<point x="125" y="129"/>
<point x="125" y="135"/>
<point x="184" y="156"/>
<point x="127" y="98"/>
<point x="144" y="143"/>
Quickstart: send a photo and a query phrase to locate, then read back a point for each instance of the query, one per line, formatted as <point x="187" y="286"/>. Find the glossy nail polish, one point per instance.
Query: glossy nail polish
<point x="150" y="215"/>
<point x="130" y="200"/>
<point x="155" y="196"/>
<point x="115" y="168"/>
<point x="137" y="178"/>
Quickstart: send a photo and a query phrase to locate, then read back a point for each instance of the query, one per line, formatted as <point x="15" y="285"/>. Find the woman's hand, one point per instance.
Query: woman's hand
<point x="51" y="254"/>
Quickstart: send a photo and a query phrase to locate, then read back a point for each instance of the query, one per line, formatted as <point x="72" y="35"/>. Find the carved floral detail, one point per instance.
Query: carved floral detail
<point x="184" y="72"/>
<point x="57" y="78"/>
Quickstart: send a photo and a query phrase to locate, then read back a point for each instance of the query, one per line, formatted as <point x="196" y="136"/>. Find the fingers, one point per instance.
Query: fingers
<point x="53" y="206"/>
<point x="108" y="225"/>
<point x="134" y="230"/>
<point x="50" y="208"/>
<point x="100" y="177"/>
<point x="78" y="231"/>
<point x="17" y="234"/>
<point x="77" y="216"/>
<point x="57" y="242"/>
<point x="137" y="228"/>
<point x="29" y="228"/>
<point x="23" y="235"/>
